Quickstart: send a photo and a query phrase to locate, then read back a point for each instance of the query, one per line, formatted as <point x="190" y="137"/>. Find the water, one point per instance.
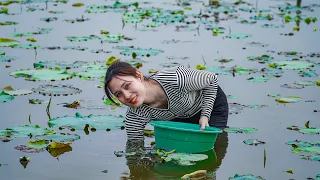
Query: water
<point x="94" y="153"/>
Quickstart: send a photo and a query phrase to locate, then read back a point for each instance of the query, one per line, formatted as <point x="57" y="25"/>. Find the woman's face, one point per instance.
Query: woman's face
<point x="128" y="89"/>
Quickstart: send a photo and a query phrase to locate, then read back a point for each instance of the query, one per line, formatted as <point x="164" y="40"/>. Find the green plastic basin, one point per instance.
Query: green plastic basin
<point x="184" y="137"/>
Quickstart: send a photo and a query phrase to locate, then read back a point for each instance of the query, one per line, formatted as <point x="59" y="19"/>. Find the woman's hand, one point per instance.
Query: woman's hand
<point x="204" y="121"/>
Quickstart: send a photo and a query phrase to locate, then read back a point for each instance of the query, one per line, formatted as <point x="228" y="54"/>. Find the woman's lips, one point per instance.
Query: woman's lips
<point x="134" y="100"/>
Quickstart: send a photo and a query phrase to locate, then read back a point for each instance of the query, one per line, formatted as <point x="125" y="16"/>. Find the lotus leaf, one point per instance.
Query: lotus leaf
<point x="307" y="73"/>
<point x="79" y="39"/>
<point x="231" y="97"/>
<point x="318" y="82"/>
<point x="2" y="53"/>
<point x="4" y="10"/>
<point x="258" y="79"/>
<point x="169" y="19"/>
<point x="4" y="97"/>
<point x="16" y="92"/>
<point x="217" y="31"/>
<point x="75" y="48"/>
<point x="310" y="157"/>
<point x="240" y="130"/>
<point x="291" y="87"/>
<point x="250" y="9"/>
<point x="271" y="71"/>
<point x="245" y="177"/>
<point x="49" y="19"/>
<point x="256" y="106"/>
<point x="262" y="17"/>
<point x="185" y="159"/>
<point x="99" y="51"/>
<point x="28" y="149"/>
<point x="243" y="21"/>
<point x="169" y="64"/>
<point x="288" y="99"/>
<point x="199" y="174"/>
<point x="220" y="10"/>
<point x="298" y="143"/>
<point x="151" y="25"/>
<point x="5" y="42"/>
<point x="235" y="108"/>
<point x="82" y="19"/>
<point x="312" y="149"/>
<point x="91" y="74"/>
<point x="56" y="90"/>
<point x="291" y="64"/>
<point x="310" y="131"/>
<point x="42" y="75"/>
<point x="25" y="131"/>
<point x="57" y="148"/>
<point x="25" y="46"/>
<point x="295" y="128"/>
<point x="59" y="137"/>
<point x="118" y="5"/>
<point x="264" y="58"/>
<point x="109" y="102"/>
<point x="314" y="54"/>
<point x="56" y="12"/>
<point x="238" y="36"/>
<point x="305" y="83"/>
<point x="94" y="66"/>
<point x="58" y="64"/>
<point x="132" y="19"/>
<point x="96" y="11"/>
<point x="7" y="58"/>
<point x="272" y="26"/>
<point x="241" y="70"/>
<point x="274" y="95"/>
<point x="141" y="52"/>
<point x="78" y="122"/>
<point x="36" y="101"/>
<point x="8" y="23"/>
<point x="257" y="44"/>
<point x="223" y="60"/>
<point x="219" y="70"/>
<point x="253" y="142"/>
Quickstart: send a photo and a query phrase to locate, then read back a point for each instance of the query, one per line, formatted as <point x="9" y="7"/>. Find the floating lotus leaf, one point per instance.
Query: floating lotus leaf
<point x="169" y="19"/>
<point x="257" y="44"/>
<point x="219" y="70"/>
<point x="259" y="79"/>
<point x="78" y="48"/>
<point x="272" y="26"/>
<point x="80" y="38"/>
<point x="232" y="97"/>
<point x="239" y="36"/>
<point x="264" y="58"/>
<point x="199" y="174"/>
<point x="57" y="148"/>
<point x="99" y="51"/>
<point x="25" y="46"/>
<point x="78" y="122"/>
<point x="135" y="62"/>
<point x="82" y="19"/>
<point x="220" y="10"/>
<point x="217" y="31"/>
<point x="7" y="58"/>
<point x="28" y="149"/>
<point x="271" y="71"/>
<point x="291" y="86"/>
<point x="245" y="177"/>
<point x="25" y="34"/>
<point x="288" y="99"/>
<point x="94" y="66"/>
<point x="307" y="73"/>
<point x="243" y="21"/>
<point x="291" y="65"/>
<point x="240" y="130"/>
<point x="241" y="70"/>
<point x="16" y="92"/>
<point x="59" y="137"/>
<point x="58" y="64"/>
<point x="132" y="19"/>
<point x="310" y="158"/>
<point x="250" y="9"/>
<point x="305" y="83"/>
<point x="5" y="42"/>
<point x="256" y="106"/>
<point x="56" y="90"/>
<point x="312" y="149"/>
<point x="92" y="74"/>
<point x="42" y="75"/>
<point x="4" y="97"/>
<point x="314" y="54"/>
<point x="8" y="23"/>
<point x="274" y="95"/>
<point x="298" y="143"/>
<point x="254" y="142"/>
<point x="151" y="25"/>
<point x="49" y="19"/>
<point x="310" y="131"/>
<point x="37" y="101"/>
<point x="223" y="60"/>
<point x="96" y="11"/>
<point x="185" y="159"/>
<point x="56" y="12"/>
<point x="294" y="128"/>
<point x="2" y="53"/>
<point x="118" y="5"/>
<point x="141" y="52"/>
<point x="262" y="17"/>
<point x="170" y="64"/>
<point x="25" y="131"/>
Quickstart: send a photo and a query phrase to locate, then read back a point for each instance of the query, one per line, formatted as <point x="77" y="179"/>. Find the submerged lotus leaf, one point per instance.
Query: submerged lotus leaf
<point x="235" y="108"/>
<point x="4" y="97"/>
<point x="310" y="131"/>
<point x="240" y="130"/>
<point x="259" y="79"/>
<point x="92" y="74"/>
<point x="78" y="122"/>
<point x="59" y="137"/>
<point x="310" y="158"/>
<point x="8" y="23"/>
<point x="16" y="92"/>
<point x="78" y="48"/>
<point x="254" y="142"/>
<point x="169" y="19"/>
<point x="25" y="46"/>
<point x="5" y="42"/>
<point x="219" y="70"/>
<point x="245" y="177"/>
<point x="291" y="64"/>
<point x="272" y="26"/>
<point x="307" y="73"/>
<point x="312" y="149"/>
<point x="141" y="52"/>
<point x="305" y="83"/>
<point x="7" y="58"/>
<point x="288" y="99"/>
<point x="56" y="90"/>
<point x="238" y="36"/>
<point x="58" y="64"/>
<point x="25" y="131"/>
<point x="42" y="75"/>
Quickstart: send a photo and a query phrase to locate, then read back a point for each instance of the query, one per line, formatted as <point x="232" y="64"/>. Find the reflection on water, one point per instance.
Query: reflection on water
<point x="149" y="166"/>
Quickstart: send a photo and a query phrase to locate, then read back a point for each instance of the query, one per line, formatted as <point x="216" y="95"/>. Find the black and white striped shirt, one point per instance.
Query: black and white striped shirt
<point x="188" y="92"/>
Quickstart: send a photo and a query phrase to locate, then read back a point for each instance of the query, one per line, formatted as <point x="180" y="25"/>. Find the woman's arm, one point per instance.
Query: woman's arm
<point x="135" y="125"/>
<point x="192" y="80"/>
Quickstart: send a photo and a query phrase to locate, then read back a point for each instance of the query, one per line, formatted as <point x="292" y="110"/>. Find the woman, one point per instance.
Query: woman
<point x="175" y="94"/>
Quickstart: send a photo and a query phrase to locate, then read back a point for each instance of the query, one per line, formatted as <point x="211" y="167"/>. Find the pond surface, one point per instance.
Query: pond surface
<point x="93" y="157"/>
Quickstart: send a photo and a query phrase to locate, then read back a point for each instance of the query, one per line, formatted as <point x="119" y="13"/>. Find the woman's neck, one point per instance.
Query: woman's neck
<point x="154" y="92"/>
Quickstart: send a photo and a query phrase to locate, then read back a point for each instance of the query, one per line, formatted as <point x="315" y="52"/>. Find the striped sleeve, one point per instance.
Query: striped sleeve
<point x="192" y="80"/>
<point x="135" y="125"/>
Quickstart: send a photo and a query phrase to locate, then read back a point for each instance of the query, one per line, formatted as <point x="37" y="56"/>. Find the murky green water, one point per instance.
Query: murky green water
<point x="94" y="153"/>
